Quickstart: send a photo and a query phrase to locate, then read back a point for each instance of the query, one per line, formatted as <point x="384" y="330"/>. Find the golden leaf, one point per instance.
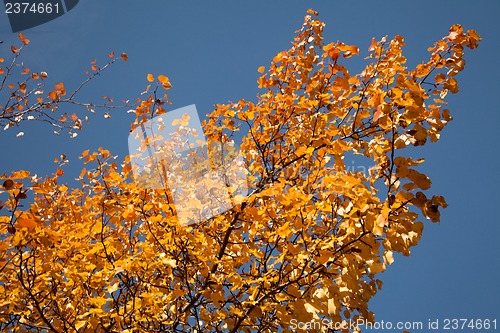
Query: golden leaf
<point x="80" y="324"/>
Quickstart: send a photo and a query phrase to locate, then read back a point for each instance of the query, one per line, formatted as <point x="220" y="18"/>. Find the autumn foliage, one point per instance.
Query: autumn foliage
<point x="29" y="99"/>
<point x="306" y="244"/>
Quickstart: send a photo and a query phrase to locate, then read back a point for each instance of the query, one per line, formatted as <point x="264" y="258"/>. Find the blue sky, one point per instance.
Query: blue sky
<point x="211" y="52"/>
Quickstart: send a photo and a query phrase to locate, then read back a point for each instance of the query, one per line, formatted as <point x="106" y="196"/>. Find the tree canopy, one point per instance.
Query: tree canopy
<point x="308" y="241"/>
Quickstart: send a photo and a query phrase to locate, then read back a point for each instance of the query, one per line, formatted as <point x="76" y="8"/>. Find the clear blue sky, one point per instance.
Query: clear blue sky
<point x="211" y="51"/>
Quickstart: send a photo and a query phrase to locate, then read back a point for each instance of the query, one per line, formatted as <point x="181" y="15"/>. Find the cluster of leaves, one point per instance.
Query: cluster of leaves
<point x="176" y="156"/>
<point x="306" y="244"/>
<point x="24" y="96"/>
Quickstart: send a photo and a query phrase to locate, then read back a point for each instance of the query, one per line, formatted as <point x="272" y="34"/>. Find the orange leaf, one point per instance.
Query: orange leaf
<point x="440" y="77"/>
<point x="261" y="69"/>
<point x="334" y="53"/>
<point x="350" y="51"/>
<point x="59" y="172"/>
<point x="26" y="223"/>
<point x="59" y="86"/>
<point x="377" y="113"/>
<point x="111" y="55"/>
<point x="150" y="78"/>
<point x="13" y="49"/>
<point x="83" y="172"/>
<point x="373" y="45"/>
<point x="328" y="47"/>
<point x="312" y="12"/>
<point x="164" y="81"/>
<point x="451" y="84"/>
<point x="24" y="40"/>
<point x="124" y="57"/>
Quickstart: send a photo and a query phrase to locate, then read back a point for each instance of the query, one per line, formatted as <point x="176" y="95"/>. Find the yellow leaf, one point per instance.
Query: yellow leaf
<point x="114" y="287"/>
<point x="310" y="308"/>
<point x="170" y="262"/>
<point x="377" y="231"/>
<point x="80" y="324"/>
<point x="236" y="311"/>
<point x="375" y="267"/>
<point x="388" y="257"/>
<point x="332" y="308"/>
<point x="249" y="115"/>
<point x="381" y="220"/>
<point x="284" y="231"/>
